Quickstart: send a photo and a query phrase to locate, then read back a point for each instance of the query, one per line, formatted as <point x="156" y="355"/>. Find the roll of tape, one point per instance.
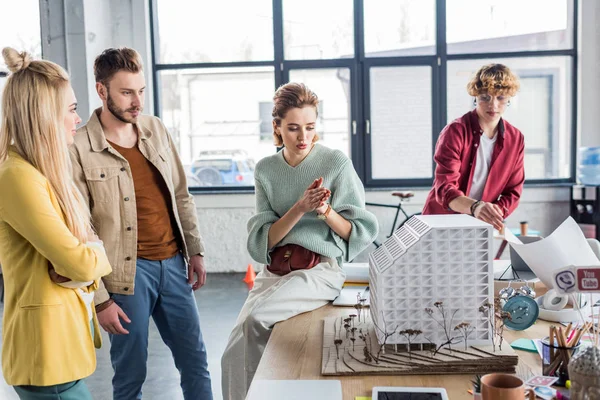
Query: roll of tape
<point x="554" y="301"/>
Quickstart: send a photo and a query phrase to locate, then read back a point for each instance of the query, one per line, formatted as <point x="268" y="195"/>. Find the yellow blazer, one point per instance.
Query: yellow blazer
<point x="46" y="336"/>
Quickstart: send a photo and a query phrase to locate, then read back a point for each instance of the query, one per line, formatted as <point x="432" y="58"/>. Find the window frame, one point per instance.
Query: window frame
<point x="359" y="66"/>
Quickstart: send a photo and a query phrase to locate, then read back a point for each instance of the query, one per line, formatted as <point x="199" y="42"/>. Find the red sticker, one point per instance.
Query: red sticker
<point x="588" y="279"/>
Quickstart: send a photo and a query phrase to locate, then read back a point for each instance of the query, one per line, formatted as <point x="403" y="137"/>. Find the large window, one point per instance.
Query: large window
<point x="488" y="26"/>
<point x="541" y="109"/>
<point x="389" y="75"/>
<point x="23" y="34"/>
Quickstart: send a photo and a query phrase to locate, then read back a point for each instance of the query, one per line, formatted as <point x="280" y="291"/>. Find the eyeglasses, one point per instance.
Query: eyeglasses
<point x="486" y="98"/>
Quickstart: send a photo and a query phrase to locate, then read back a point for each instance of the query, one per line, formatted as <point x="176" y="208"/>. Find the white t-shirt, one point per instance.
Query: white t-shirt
<point x="482" y="165"/>
<point x="88" y="298"/>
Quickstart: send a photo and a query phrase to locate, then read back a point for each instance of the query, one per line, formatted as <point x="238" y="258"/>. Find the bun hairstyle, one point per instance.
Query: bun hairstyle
<point x="32" y="125"/>
<point x="288" y="96"/>
<point x="14" y="60"/>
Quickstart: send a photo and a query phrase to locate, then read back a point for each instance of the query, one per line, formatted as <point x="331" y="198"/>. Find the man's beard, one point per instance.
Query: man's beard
<point x="120" y="113"/>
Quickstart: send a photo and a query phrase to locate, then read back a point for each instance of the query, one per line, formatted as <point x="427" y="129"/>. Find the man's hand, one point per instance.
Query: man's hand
<point x="197" y="266"/>
<point x="109" y="320"/>
<point x="490" y="213"/>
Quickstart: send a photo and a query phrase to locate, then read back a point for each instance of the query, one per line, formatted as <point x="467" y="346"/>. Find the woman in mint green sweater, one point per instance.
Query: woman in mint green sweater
<point x="306" y="195"/>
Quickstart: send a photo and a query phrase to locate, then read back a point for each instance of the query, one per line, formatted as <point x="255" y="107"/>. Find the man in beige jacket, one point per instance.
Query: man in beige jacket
<point x="126" y="165"/>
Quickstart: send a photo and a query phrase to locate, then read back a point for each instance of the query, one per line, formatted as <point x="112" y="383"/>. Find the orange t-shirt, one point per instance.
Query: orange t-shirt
<point x="156" y="236"/>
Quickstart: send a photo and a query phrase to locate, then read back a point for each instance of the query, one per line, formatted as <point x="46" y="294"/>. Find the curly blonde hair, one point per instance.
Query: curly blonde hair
<point x="494" y="79"/>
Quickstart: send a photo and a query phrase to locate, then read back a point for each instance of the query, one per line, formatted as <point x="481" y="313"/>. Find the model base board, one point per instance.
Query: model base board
<point x="342" y="356"/>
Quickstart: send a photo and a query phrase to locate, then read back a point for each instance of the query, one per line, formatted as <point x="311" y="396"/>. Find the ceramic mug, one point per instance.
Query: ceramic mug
<point x="504" y="387"/>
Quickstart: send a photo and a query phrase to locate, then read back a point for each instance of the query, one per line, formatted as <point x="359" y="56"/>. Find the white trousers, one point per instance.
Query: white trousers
<point x="273" y="299"/>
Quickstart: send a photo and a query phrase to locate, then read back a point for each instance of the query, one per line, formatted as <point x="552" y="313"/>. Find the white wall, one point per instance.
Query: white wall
<point x="223" y="221"/>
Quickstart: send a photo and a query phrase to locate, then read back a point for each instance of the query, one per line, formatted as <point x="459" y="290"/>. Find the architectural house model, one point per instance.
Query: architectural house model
<point x="431" y="259"/>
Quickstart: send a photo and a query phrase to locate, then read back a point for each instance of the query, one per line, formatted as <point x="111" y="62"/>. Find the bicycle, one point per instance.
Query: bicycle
<point x="402" y="198"/>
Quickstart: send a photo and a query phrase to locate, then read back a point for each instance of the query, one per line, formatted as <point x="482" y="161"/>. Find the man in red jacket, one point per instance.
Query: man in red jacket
<point x="479" y="156"/>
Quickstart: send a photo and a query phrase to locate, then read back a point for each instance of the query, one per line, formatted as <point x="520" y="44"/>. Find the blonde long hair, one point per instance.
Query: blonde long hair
<point x="33" y="110"/>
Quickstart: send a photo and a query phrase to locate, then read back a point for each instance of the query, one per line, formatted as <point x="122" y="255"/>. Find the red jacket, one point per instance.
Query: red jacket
<point x="455" y="156"/>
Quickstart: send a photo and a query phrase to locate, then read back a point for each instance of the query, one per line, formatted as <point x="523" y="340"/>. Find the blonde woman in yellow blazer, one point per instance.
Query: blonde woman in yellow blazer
<point x="50" y="258"/>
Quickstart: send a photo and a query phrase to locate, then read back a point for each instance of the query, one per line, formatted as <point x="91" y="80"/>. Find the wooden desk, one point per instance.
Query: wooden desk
<point x="294" y="352"/>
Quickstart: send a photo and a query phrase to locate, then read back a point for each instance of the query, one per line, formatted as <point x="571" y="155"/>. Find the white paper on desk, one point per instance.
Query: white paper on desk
<point x="295" y="390"/>
<point x="565" y="246"/>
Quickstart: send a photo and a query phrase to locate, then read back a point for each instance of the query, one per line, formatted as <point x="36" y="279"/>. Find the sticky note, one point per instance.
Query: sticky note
<point x="524" y="344"/>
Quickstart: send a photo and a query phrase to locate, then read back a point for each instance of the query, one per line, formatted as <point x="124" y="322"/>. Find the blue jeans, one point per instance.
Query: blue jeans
<point x="161" y="291"/>
<point x="76" y="390"/>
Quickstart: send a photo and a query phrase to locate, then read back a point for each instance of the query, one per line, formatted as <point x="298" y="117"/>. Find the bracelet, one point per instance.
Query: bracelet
<point x="474" y="207"/>
<point x="104" y="306"/>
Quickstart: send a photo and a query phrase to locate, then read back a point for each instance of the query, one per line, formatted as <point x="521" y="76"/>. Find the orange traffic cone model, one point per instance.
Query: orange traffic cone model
<point x="250" y="276"/>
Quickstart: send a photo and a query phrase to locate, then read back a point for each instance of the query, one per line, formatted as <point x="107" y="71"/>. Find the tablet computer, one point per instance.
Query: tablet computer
<point x="409" y="393"/>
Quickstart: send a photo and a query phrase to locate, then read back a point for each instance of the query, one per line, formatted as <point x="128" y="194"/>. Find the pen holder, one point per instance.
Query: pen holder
<point x="555" y="360"/>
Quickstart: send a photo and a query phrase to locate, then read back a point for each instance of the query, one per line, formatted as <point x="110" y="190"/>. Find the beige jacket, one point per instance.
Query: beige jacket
<point x="103" y="176"/>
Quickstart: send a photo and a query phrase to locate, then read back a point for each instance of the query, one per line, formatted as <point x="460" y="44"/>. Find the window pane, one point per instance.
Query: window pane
<point x="486" y="26"/>
<point x="332" y="86"/>
<point x="22" y="33"/>
<point x="395" y="28"/>
<point x="202" y="31"/>
<point x="215" y="124"/>
<point x="316" y="29"/>
<point x="541" y="109"/>
<point x="401" y="122"/>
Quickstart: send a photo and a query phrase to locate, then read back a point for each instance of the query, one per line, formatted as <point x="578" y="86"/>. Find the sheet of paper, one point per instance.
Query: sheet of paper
<point x="295" y="390"/>
<point x="565" y="246"/>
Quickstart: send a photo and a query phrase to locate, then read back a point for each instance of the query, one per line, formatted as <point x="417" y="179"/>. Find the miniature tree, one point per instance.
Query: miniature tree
<point x="433" y="348"/>
<point x="352" y="316"/>
<point x="501" y="317"/>
<point x="410" y="335"/>
<point x="496" y="318"/>
<point x="445" y="321"/>
<point x="353" y="336"/>
<point x="337" y="343"/>
<point x="487" y="309"/>
<point x="386" y="336"/>
<point x="465" y="329"/>
<point x="367" y="354"/>
<point x="347" y="326"/>
<point x="337" y="338"/>
<point x="366" y="339"/>
<point x="360" y="305"/>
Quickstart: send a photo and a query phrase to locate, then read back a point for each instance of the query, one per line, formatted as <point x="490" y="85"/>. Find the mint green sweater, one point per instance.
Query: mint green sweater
<point x="279" y="186"/>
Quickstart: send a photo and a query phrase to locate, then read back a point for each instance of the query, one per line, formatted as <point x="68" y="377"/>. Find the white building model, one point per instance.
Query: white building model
<point x="433" y="258"/>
